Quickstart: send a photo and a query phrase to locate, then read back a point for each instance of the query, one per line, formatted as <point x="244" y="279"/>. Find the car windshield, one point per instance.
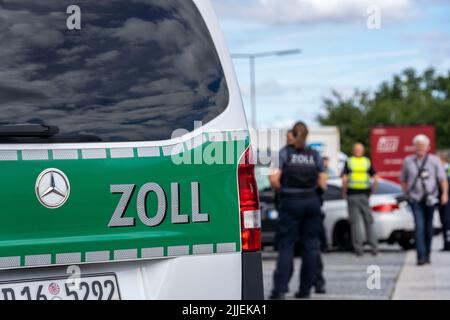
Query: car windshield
<point x="107" y="71"/>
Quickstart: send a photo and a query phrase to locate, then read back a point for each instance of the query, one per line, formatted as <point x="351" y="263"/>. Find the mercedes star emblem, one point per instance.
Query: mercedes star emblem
<point x="52" y="188"/>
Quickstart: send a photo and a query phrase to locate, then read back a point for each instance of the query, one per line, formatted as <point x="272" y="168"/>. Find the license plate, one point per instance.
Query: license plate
<point x="95" y="287"/>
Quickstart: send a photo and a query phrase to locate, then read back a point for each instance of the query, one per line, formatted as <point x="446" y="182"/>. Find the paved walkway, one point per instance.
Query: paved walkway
<point x="347" y="275"/>
<point x="430" y="282"/>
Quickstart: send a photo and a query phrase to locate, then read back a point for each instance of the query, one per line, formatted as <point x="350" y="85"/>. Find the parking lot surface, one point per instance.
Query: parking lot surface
<point x="347" y="275"/>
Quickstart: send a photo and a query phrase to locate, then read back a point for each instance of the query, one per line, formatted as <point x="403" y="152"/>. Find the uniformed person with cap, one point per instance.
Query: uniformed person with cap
<point x="300" y="172"/>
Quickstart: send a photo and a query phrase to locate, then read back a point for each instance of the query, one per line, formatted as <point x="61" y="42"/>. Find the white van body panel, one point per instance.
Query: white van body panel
<point x="210" y="277"/>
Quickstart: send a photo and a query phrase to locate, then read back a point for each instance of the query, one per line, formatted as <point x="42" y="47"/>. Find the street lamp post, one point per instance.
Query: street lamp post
<point x="252" y="59"/>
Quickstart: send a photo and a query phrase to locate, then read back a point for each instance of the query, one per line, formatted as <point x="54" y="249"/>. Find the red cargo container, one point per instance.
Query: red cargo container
<point x="390" y="145"/>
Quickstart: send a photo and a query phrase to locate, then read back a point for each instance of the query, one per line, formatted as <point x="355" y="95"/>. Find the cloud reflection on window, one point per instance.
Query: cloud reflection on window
<point x="136" y="70"/>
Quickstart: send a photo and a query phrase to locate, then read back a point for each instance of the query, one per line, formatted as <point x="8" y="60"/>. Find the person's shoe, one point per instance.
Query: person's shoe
<point x="321" y="289"/>
<point x="359" y="254"/>
<point x="300" y="295"/>
<point x="428" y="260"/>
<point x="277" y="296"/>
<point x="445" y="250"/>
<point x="421" y="262"/>
<point x="374" y="253"/>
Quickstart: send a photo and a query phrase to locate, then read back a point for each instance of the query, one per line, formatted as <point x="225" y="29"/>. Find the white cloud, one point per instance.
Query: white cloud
<point x="310" y="11"/>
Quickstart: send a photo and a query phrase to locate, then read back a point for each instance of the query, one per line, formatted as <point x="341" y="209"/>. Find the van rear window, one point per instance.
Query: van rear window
<point x="106" y="71"/>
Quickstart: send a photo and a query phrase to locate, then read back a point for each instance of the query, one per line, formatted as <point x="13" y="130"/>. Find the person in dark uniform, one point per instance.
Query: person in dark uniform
<point x="290" y="140"/>
<point x="323" y="239"/>
<point x="320" y="283"/>
<point x="444" y="209"/>
<point x="299" y="174"/>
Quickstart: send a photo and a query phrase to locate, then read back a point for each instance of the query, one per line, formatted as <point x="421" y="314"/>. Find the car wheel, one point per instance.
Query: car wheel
<point x="342" y="238"/>
<point x="407" y="243"/>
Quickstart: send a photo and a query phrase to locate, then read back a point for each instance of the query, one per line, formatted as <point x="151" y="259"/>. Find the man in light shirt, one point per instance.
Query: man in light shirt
<point x="422" y="177"/>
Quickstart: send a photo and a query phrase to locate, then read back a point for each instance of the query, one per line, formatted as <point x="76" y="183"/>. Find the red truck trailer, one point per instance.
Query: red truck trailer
<point x="391" y="144"/>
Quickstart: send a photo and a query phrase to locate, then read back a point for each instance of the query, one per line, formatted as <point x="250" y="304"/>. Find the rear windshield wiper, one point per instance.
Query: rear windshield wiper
<point x="28" y="130"/>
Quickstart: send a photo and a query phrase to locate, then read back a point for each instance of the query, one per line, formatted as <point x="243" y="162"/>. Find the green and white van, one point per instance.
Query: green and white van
<point x="124" y="154"/>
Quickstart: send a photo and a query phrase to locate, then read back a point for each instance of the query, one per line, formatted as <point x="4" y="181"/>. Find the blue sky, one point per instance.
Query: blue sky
<point x="339" y="51"/>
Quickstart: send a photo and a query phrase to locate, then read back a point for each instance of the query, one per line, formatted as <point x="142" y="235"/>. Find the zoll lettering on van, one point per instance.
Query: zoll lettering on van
<point x="126" y="203"/>
<point x="118" y="219"/>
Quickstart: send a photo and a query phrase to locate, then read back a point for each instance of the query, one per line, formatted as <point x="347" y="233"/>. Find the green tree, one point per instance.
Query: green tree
<point x="407" y="99"/>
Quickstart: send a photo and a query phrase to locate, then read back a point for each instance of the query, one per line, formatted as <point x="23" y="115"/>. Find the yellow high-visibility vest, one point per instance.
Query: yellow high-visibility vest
<point x="359" y="177"/>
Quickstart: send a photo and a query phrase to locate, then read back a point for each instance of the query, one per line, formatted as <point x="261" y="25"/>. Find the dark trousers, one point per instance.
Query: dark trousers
<point x="299" y="218"/>
<point x="444" y="214"/>
<point x="323" y="246"/>
<point x="323" y="239"/>
<point x="319" y="281"/>
<point x="424" y="232"/>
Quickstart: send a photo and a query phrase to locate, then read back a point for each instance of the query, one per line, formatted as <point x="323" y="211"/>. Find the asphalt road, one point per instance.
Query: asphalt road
<point x="347" y="275"/>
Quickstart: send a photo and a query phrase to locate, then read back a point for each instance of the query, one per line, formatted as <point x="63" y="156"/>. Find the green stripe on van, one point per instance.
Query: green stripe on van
<point x="78" y="232"/>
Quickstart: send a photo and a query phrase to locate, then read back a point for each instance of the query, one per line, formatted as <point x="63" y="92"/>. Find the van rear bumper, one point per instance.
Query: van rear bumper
<point x="252" y="276"/>
<point x="198" y="277"/>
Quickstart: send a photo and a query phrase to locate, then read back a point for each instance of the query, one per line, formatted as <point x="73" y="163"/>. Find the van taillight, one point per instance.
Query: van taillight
<point x="249" y="204"/>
